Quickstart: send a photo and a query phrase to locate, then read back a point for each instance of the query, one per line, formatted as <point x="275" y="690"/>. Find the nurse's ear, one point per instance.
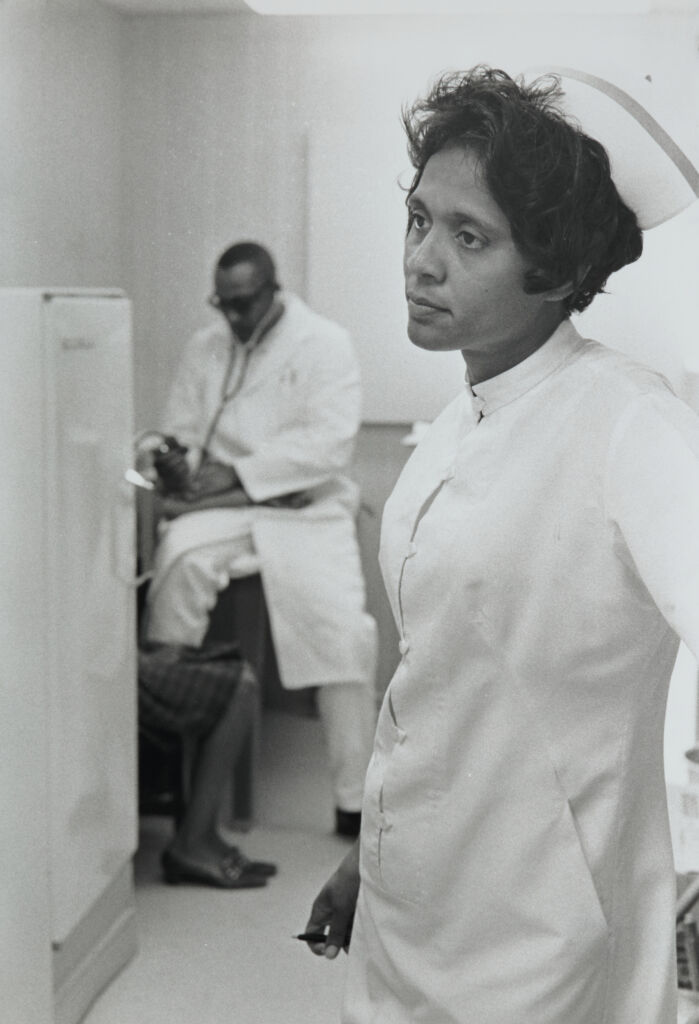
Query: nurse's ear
<point x="562" y="291"/>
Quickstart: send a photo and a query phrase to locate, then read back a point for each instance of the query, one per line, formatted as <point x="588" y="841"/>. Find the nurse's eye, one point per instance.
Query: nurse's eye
<point x="470" y="241"/>
<point x="416" y="219"/>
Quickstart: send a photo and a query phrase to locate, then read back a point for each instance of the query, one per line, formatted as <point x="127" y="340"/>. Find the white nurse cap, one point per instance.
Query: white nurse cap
<point x="653" y="176"/>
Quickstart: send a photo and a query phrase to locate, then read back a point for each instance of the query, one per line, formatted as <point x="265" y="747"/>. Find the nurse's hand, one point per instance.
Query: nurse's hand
<point x="333" y="908"/>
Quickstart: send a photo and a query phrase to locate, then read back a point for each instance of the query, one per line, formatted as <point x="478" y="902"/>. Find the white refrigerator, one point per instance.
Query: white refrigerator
<point x="68" y="642"/>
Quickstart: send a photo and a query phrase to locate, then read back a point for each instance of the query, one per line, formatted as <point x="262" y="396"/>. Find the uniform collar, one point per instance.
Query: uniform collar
<point x="492" y="394"/>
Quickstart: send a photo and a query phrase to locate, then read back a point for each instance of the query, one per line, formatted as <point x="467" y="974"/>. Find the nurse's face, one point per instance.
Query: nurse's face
<point x="464" y="276"/>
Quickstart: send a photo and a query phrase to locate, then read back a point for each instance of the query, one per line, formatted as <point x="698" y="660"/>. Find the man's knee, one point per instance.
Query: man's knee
<point x="192" y="571"/>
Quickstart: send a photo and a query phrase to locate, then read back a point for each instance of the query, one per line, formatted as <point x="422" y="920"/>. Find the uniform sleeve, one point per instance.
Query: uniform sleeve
<point x="652" y="494"/>
<point x="319" y="443"/>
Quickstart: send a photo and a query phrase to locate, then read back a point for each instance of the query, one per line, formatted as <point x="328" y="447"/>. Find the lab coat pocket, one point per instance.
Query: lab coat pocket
<point x="291" y="408"/>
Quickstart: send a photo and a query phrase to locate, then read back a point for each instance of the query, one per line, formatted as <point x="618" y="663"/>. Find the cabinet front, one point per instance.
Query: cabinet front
<point x="89" y="564"/>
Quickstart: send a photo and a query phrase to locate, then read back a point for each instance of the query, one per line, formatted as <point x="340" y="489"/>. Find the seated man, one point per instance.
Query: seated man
<point x="267" y="405"/>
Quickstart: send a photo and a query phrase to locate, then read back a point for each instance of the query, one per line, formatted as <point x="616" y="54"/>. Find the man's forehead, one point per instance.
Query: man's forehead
<point x="245" y="276"/>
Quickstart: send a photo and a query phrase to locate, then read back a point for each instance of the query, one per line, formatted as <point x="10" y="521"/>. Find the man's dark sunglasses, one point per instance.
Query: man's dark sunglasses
<point x="241" y="305"/>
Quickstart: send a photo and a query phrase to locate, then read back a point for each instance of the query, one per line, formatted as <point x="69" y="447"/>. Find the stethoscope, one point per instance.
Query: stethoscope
<point x="148" y="441"/>
<point x="227" y="393"/>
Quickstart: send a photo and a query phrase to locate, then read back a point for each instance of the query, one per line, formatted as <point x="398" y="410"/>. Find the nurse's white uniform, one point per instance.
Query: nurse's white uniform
<point x="541" y="553"/>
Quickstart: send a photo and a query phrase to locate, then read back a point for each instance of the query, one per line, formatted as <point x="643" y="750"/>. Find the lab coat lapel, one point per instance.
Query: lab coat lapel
<point x="274" y="354"/>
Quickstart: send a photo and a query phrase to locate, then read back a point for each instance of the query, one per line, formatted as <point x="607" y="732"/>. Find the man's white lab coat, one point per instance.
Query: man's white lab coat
<point x="285" y="415"/>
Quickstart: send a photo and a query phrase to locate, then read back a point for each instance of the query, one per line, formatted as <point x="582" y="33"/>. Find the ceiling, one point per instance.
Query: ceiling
<point x="391" y="6"/>
<point x="175" y="6"/>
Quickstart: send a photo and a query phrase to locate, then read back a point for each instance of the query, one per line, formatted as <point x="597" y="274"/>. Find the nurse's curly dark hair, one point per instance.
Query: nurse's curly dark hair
<point x="551" y="180"/>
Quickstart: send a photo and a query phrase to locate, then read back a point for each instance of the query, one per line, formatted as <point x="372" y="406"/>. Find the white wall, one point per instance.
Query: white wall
<point x="135" y="148"/>
<point x="214" y="151"/>
<point x="25" y="945"/>
<point x="60" y="216"/>
<point x="60" y="125"/>
<point x="225" y="118"/>
<point x="287" y="130"/>
<point x="354" y="167"/>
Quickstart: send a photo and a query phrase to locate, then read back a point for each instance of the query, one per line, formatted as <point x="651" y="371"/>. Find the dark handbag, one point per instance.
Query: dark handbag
<point x="185" y="690"/>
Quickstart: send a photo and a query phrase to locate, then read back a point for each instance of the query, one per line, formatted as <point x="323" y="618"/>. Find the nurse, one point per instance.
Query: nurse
<point x="541" y="553"/>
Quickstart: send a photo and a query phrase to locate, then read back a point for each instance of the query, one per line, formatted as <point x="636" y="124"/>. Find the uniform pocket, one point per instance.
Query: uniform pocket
<point x="573" y="854"/>
<point x="407" y="827"/>
<point x="403" y="858"/>
<point x="404" y="791"/>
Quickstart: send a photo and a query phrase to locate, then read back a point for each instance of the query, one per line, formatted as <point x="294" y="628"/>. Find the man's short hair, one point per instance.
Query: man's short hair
<point x="552" y="182"/>
<point x="249" y="252"/>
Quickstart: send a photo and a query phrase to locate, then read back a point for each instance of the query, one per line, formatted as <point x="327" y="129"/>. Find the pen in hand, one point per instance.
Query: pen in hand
<point x="311" y="937"/>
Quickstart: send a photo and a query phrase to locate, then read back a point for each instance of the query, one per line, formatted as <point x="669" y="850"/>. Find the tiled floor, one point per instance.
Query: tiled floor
<point x="212" y="957"/>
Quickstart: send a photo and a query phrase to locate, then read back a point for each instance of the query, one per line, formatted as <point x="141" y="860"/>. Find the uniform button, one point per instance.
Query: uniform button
<point x="384" y="822"/>
<point x="403" y="646"/>
<point x="412" y="549"/>
<point x="401" y="735"/>
<point x="449" y="473"/>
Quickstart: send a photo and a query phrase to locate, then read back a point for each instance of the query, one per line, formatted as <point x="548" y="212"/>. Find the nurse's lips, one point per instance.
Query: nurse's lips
<point x="419" y="306"/>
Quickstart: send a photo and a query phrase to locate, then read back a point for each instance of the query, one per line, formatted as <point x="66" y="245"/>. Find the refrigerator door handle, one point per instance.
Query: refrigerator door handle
<point x="132" y="476"/>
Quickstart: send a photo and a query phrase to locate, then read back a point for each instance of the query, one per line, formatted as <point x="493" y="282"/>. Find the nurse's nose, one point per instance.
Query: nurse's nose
<point x="423" y="257"/>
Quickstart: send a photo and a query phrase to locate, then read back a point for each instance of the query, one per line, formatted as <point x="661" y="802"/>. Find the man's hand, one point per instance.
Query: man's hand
<point x="334" y="906"/>
<point x="212" y="478"/>
<point x="172" y="467"/>
<point x="169" y="507"/>
<point x="297" y="499"/>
